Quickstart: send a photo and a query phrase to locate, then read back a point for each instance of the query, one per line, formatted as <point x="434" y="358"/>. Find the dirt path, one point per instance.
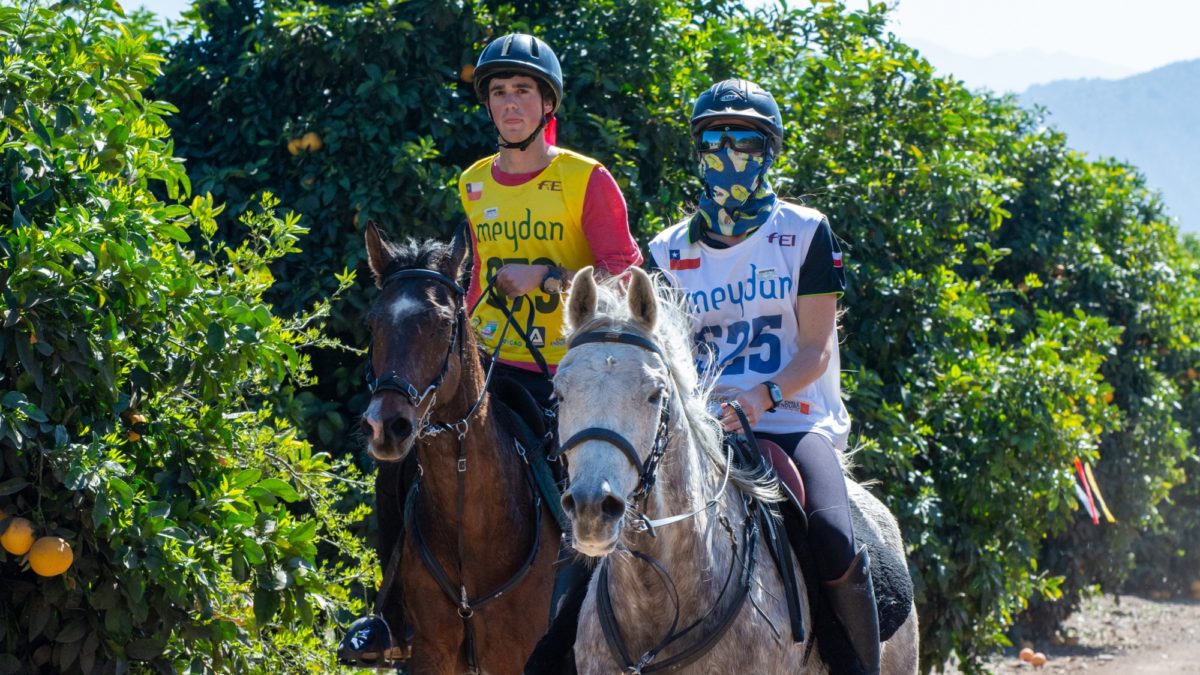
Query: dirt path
<point x="1121" y="636"/>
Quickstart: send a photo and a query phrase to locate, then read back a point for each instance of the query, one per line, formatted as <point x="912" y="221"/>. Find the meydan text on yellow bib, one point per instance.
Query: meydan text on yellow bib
<point x="536" y="223"/>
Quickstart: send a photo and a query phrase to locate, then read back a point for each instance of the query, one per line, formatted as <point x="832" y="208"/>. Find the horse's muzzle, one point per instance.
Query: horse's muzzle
<point x="597" y="516"/>
<point x="389" y="427"/>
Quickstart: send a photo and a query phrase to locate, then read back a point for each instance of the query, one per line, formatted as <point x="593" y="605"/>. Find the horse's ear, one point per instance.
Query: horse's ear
<point x="379" y="256"/>
<point x="642" y="302"/>
<point x="582" y="303"/>
<point x="460" y="251"/>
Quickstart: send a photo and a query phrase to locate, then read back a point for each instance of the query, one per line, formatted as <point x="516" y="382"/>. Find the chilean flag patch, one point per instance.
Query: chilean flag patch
<point x="837" y="260"/>
<point x="680" y="262"/>
<point x="474" y="191"/>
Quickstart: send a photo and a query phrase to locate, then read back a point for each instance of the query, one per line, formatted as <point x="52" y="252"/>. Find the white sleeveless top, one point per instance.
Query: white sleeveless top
<point x="743" y="301"/>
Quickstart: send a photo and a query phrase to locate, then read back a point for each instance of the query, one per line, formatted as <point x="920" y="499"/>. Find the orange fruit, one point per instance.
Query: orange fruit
<point x="18" y="536"/>
<point x="1038" y="660"/>
<point x="467" y="74"/>
<point x="1108" y="397"/>
<point x="51" y="556"/>
<point x="311" y="142"/>
<point x="294" y="146"/>
<point x="137" y="418"/>
<point x="1026" y="654"/>
<point x="1191" y="374"/>
<point x="135" y="436"/>
<point x="1195" y="584"/>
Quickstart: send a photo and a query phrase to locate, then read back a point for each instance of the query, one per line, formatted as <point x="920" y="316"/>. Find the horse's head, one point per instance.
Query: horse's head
<point x="418" y="332"/>
<point x="614" y="399"/>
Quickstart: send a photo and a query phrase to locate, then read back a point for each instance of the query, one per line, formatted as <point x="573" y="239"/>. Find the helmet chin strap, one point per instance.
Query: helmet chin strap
<point x="523" y="145"/>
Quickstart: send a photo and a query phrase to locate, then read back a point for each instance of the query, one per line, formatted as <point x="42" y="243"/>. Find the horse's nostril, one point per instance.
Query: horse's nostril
<point x="400" y="428"/>
<point x="568" y="503"/>
<point x="613" y="506"/>
<point x="367" y="428"/>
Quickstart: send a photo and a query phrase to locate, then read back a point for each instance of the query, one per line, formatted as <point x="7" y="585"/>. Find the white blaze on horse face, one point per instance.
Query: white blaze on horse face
<point x="403" y="307"/>
<point x="612" y="387"/>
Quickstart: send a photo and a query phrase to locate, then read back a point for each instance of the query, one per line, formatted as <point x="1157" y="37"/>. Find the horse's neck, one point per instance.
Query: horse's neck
<point x="696" y="552"/>
<point x="492" y="481"/>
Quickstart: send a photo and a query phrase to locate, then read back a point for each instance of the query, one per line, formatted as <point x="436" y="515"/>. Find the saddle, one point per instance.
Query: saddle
<point x="528" y="422"/>
<point x="889" y="572"/>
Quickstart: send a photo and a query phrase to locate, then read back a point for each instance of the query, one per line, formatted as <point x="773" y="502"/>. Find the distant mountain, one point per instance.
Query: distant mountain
<point x="1016" y="70"/>
<point x="1151" y="120"/>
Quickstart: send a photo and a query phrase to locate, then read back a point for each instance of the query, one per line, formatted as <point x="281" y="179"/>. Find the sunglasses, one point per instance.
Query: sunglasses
<point x="742" y="140"/>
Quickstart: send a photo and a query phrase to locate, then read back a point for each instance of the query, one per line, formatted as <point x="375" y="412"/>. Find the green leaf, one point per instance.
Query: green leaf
<point x="145" y="649"/>
<point x="216" y="337"/>
<point x="266" y="605"/>
<point x="279" y="488"/>
<point x="305" y="532"/>
<point x="12" y="486"/>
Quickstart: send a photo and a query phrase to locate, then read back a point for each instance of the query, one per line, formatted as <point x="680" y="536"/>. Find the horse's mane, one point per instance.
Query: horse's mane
<point x="673" y="336"/>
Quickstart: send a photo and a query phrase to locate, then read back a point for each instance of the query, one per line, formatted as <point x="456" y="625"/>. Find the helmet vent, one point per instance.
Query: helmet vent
<point x="533" y="49"/>
<point x="507" y="43"/>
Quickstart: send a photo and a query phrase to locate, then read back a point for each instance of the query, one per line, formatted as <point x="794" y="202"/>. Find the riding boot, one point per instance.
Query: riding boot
<point x="852" y="598"/>
<point x="555" y="652"/>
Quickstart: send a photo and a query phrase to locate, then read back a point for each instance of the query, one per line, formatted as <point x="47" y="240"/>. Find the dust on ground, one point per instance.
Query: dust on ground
<point x="1118" y="635"/>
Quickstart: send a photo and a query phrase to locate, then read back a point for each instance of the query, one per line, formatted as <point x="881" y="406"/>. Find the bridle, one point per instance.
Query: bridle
<point x="389" y="381"/>
<point x="739" y="584"/>
<point x="466" y="606"/>
<point x="647" y="470"/>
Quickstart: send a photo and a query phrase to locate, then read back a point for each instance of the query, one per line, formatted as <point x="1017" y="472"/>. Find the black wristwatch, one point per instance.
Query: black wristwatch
<point x="776" y="395"/>
<point x="552" y="283"/>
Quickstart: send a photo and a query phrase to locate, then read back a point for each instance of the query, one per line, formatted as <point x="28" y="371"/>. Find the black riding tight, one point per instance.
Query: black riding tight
<point x="830" y="532"/>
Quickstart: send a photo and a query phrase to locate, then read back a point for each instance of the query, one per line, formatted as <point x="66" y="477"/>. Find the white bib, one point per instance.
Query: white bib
<point x="743" y="301"/>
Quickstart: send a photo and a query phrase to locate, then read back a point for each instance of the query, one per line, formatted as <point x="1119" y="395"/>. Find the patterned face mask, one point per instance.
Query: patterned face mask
<point x="728" y="207"/>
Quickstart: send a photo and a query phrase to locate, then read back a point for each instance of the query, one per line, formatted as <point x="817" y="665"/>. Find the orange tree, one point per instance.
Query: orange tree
<point x="138" y="362"/>
<point x="977" y="372"/>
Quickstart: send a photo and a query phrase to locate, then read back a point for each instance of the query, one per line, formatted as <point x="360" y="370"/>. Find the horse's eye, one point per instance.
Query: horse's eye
<point x="656" y="396"/>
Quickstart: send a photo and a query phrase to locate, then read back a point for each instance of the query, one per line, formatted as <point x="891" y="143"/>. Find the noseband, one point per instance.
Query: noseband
<point x="648" y="470"/>
<point x="390" y="381"/>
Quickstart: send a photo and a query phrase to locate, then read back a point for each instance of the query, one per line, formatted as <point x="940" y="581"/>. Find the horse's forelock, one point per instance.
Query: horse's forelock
<point x="412" y="254"/>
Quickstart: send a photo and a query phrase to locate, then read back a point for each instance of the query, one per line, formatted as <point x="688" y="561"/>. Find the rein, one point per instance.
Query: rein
<point x="466" y="605"/>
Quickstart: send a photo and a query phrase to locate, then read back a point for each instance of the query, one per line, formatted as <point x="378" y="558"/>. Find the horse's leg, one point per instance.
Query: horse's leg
<point x="901" y="651"/>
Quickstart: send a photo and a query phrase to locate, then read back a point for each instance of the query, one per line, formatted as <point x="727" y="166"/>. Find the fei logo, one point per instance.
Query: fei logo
<point x="783" y="239"/>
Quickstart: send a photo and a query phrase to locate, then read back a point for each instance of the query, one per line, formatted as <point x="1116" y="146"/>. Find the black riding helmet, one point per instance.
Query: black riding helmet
<point x="744" y="100"/>
<point x="522" y="54"/>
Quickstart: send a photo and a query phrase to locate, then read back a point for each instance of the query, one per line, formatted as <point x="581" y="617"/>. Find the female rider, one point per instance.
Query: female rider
<point x="762" y="277"/>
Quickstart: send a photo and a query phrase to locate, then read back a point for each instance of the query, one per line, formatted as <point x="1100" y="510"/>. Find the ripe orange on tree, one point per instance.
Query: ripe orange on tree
<point x="18" y="536"/>
<point x="311" y="142"/>
<point x="51" y="556"/>
<point x="1026" y="654"/>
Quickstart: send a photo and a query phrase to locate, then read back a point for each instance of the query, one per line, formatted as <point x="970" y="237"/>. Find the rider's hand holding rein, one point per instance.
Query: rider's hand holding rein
<point x="516" y="280"/>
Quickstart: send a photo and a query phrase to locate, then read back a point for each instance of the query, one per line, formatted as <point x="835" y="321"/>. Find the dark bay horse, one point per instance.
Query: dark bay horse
<point x="478" y="545"/>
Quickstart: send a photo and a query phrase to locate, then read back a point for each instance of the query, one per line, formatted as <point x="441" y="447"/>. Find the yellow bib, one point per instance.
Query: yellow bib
<point x="537" y="223"/>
